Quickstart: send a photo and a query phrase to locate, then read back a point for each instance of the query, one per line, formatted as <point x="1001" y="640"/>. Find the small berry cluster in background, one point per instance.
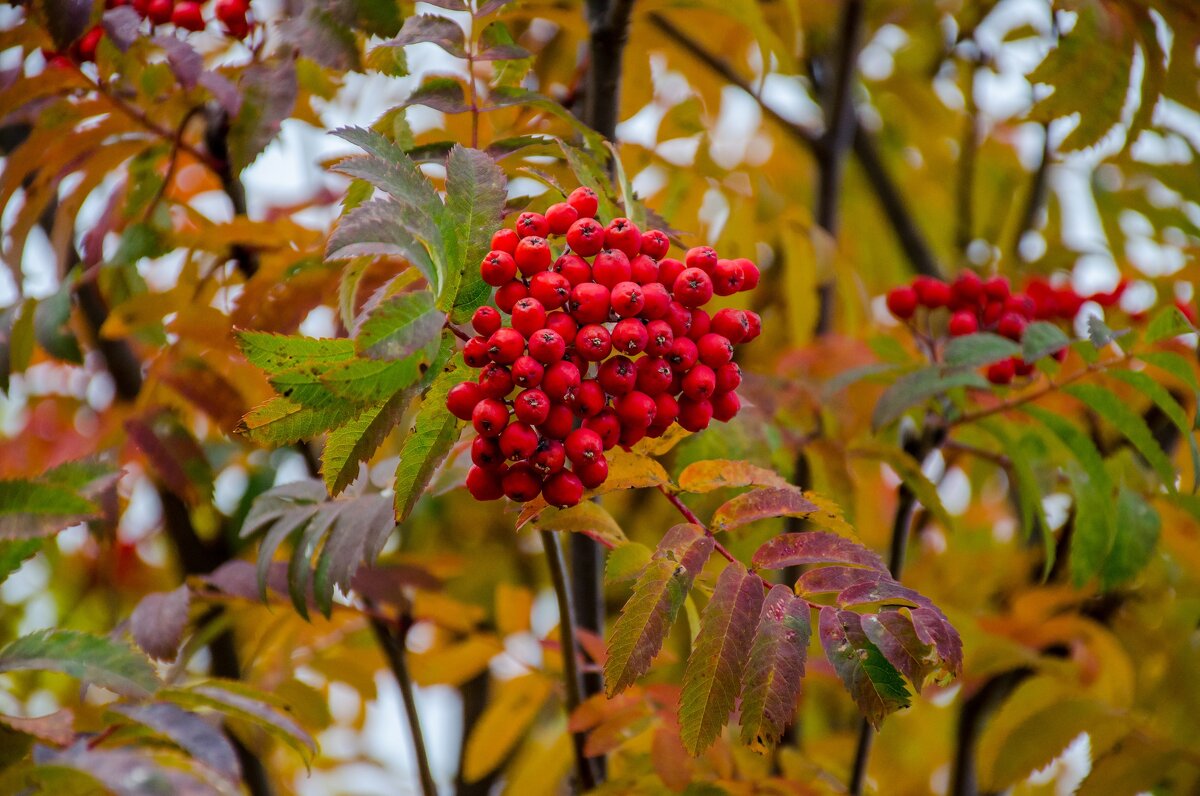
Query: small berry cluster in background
<point x="990" y="305"/>
<point x="185" y="15"/>
<point x="576" y="327"/>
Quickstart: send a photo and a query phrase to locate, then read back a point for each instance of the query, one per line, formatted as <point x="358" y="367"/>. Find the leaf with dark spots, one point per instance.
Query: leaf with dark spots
<point x="825" y="580"/>
<point x="775" y="667"/>
<point x="872" y="681"/>
<point x="893" y="633"/>
<point x="814" y="547"/>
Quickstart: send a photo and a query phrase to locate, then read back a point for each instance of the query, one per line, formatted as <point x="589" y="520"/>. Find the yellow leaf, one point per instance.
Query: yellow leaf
<point x="587" y="517"/>
<point x="455" y="664"/>
<point x="513" y="606"/>
<point x="504" y="723"/>
<point x="447" y="612"/>
<point x="713" y="474"/>
<point x="540" y="768"/>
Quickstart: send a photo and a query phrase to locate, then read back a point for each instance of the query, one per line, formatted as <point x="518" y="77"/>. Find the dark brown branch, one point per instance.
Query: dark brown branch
<point x="391" y="637"/>
<point x="964" y="231"/>
<point x="1036" y="199"/>
<point x="216" y="139"/>
<point x="608" y="29"/>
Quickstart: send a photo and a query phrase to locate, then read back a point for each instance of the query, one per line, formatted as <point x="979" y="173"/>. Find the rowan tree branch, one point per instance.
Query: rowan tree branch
<point x="391" y="637"/>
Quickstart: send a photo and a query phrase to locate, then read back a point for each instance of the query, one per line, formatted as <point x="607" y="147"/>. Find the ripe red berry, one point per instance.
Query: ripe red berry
<point x="727" y="277"/>
<point x="547" y="346"/>
<point x="725" y="406"/>
<point x="654" y="375"/>
<point x="589" y="399"/>
<point x="967" y="288"/>
<point x="590" y="303"/>
<point x="632" y="435"/>
<point x="701" y="323"/>
<point x="462" y="398"/>
<point x="558" y="423"/>
<point x="1001" y="372"/>
<point x="680" y="319"/>
<point x="593" y="342"/>
<point x="623" y="234"/>
<point x="715" y="350"/>
<point x="729" y="377"/>
<point x="232" y="11"/>
<point x="617" y="375"/>
<point x="1021" y="367"/>
<point x="1021" y="304"/>
<point x="660" y="337"/>
<point x="521" y="483"/>
<point x="527" y="372"/>
<point x="635" y="410"/>
<point x="187" y="15"/>
<point x="532" y="406"/>
<point x="563" y="489"/>
<point x="731" y="324"/>
<point x="627" y="299"/>
<point x="490" y="417"/>
<point x="669" y="270"/>
<point x="703" y="257"/>
<point x="607" y="425"/>
<point x="532" y="225"/>
<point x="486" y="320"/>
<point x="655" y="300"/>
<point x="655" y="243"/>
<point x="509" y="294"/>
<point x="666" y="410"/>
<point x="750" y="273"/>
<point x="585" y="202"/>
<point x="699" y="382"/>
<point x="505" y="345"/>
<point x="560" y="380"/>
<point x="562" y="323"/>
<point x="159" y="11"/>
<point x="560" y="217"/>
<point x="486" y="453"/>
<point x="1011" y="325"/>
<point x="993" y="311"/>
<point x="997" y="288"/>
<point x="518" y="441"/>
<point x="498" y="268"/>
<point x="610" y="267"/>
<point x="549" y="458"/>
<point x="695" y="415"/>
<point x="693" y="288"/>
<point x="505" y="240"/>
<point x="532" y="255"/>
<point x="550" y="289"/>
<point x="475" y="352"/>
<point x="962" y="323"/>
<point x="88" y="42"/>
<point x="495" y="381"/>
<point x="593" y="473"/>
<point x="754" y="326"/>
<point x="932" y="293"/>
<point x="643" y="269"/>
<point x="586" y="236"/>
<point x="584" y="445"/>
<point x="574" y="268"/>
<point x="902" y="302"/>
<point x="528" y="316"/>
<point x="629" y="336"/>
<point x="683" y="354"/>
<point x="484" y="484"/>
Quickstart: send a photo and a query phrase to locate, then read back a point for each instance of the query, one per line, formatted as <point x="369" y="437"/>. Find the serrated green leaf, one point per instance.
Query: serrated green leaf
<point x="625" y="562"/>
<point x="434" y="432"/>
<point x="875" y="685"/>
<point x="278" y="353"/>
<point x="713" y="677"/>
<point x="775" y="667"/>
<point x="1177" y="365"/>
<point x="390" y="169"/>
<point x="979" y="349"/>
<point x="1098" y="332"/>
<point x="1167" y="322"/>
<point x="15" y="553"/>
<point x="476" y="189"/>
<point x="1130" y="424"/>
<point x="30" y="509"/>
<point x="400" y="326"/>
<point x="280" y="421"/>
<point x="1042" y="339"/>
<point x="93" y="659"/>
<point x="1138" y="528"/>
<point x="917" y="387"/>
<point x="386" y="227"/>
<point x="355" y="442"/>
<point x="1170" y="407"/>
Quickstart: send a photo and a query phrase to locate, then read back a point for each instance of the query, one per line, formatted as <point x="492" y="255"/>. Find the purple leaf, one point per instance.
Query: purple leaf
<point x="197" y="737"/>
<point x="824" y="580"/>
<point x="775" y="667"/>
<point x="121" y="25"/>
<point x="66" y="20"/>
<point x="185" y="62"/>
<point x="885" y="591"/>
<point x="814" y="547"/>
<point x="222" y="89"/>
<point x="441" y="31"/>
<point x="894" y="634"/>
<point x="875" y="685"/>
<point x="761" y="504"/>
<point x="644" y="622"/>
<point x="443" y="94"/>
<point x="158" y="622"/>
<point x="713" y="677"/>
<point x="134" y="772"/>
<point x="238" y="700"/>
<point x="934" y="628"/>
<point x="269" y="92"/>
<point x="388" y="584"/>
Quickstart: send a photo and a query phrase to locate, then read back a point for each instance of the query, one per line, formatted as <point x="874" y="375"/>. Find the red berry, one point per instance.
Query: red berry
<point x="528" y="316"/>
<point x="586" y="236"/>
<point x="490" y="417"/>
<point x="623" y="234"/>
<point x="518" y="441"/>
<point x="593" y="473"/>
<point x="505" y="240"/>
<point x="484" y="484"/>
<point x="967" y="288"/>
<point x="703" y="257"/>
<point x="610" y="267"/>
<point x="902" y="302"/>
<point x="532" y="406"/>
<point x="590" y="303"/>
<point x="731" y="324"/>
<point x="669" y="270"/>
<point x="750" y="273"/>
<point x="1021" y="304"/>
<point x="659" y="338"/>
<point x="87" y="44"/>
<point x="159" y="11"/>
<point x="589" y="399"/>
<point x="550" y="457"/>
<point x="699" y="382"/>
<point x="693" y="288"/>
<point x="715" y="350"/>
<point x="635" y="410"/>
<point x="527" y="372"/>
<point x="1021" y="367"/>
<point x="729" y="377"/>
<point x="655" y="300"/>
<point x="532" y="255"/>
<point x="666" y="410"/>
<point x="932" y="293"/>
<point x="654" y="375"/>
<point x="725" y="406"/>
<point x="521" y="483"/>
<point x="562" y="323"/>
<point x="629" y="336"/>
<point x="558" y="423"/>
<point x="593" y="342"/>
<point x="728" y="277"/>
<point x="462" y="398"/>
<point x="754" y="326"/>
<point x="962" y="323"/>
<point x="509" y="294"/>
<point x="550" y="289"/>
<point x="585" y="202"/>
<point x="643" y="269"/>
<point x="495" y="381"/>
<point x="1001" y="372"/>
<point x="997" y="288"/>
<point x="655" y="243"/>
<point x="632" y="435"/>
<point x="701" y="323"/>
<point x="574" y="268"/>
<point x="187" y="15"/>
<point x="486" y="453"/>
<point x="560" y="380"/>
<point x="617" y="375"/>
<point x="532" y="225"/>
<point x="695" y="415"/>
<point x="680" y="319"/>
<point x="563" y="489"/>
<point x="232" y="11"/>
<point x="627" y="299"/>
<point x="1011" y="325"/>
<point x="992" y="312"/>
<point x="547" y="346"/>
<point x="486" y="320"/>
<point x="560" y="217"/>
<point x="475" y="352"/>
<point x="584" y="445"/>
<point x="683" y="354"/>
<point x="607" y="425"/>
<point x="505" y="345"/>
<point x="498" y="268"/>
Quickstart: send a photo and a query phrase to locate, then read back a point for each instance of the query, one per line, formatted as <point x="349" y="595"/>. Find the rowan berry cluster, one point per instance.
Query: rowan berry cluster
<point x="604" y="345"/>
<point x="186" y="15"/>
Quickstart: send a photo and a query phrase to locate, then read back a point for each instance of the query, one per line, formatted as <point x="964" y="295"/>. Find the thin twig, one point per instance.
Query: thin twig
<point x="965" y="184"/>
<point x="172" y="162"/>
<point x="391" y="638"/>
<point x="570" y="650"/>
<point x="1037" y="195"/>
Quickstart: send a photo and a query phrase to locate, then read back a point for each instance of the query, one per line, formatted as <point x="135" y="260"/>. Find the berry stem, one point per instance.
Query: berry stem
<point x="459" y="333"/>
<point x="691" y="517"/>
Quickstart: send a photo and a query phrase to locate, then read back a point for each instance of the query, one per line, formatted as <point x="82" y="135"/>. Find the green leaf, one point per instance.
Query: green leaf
<point x="872" y="681"/>
<point x="389" y="168"/>
<point x="1177" y="365"/>
<point x="434" y="432"/>
<point x="914" y="478"/>
<point x="915" y="388"/>
<point x="1130" y="424"/>
<point x="1099" y="333"/>
<point x="1041" y="339"/>
<point x="713" y="677"/>
<point x="892" y="631"/>
<point x="1170" y="407"/>
<point x="1026" y="450"/>
<point x="977" y="350"/>
<point x="1167" y="322"/>
<point x="278" y="354"/>
<point x="643" y="624"/>
<point x="386" y="227"/>
<point x="281" y="422"/>
<point x="1138" y="528"/>
<point x="775" y="667"/>
<point x="30" y="509"/>
<point x="15" y="553"/>
<point x="400" y="326"/>
<point x="93" y="659"/>
<point x="356" y="441"/>
<point x="625" y="562"/>
<point x="476" y="189"/>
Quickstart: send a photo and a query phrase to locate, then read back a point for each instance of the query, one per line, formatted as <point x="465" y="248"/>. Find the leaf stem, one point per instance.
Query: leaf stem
<point x="570" y="650"/>
<point x="691" y="517"/>
<point x="391" y="636"/>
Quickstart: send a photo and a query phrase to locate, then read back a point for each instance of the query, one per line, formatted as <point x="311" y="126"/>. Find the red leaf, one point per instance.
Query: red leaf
<point x="814" y="547"/>
<point x="894" y="634"/>
<point x="872" y="681"/>
<point x="158" y="622"/>
<point x="824" y="580"/>
<point x="760" y="504"/>
<point x="775" y="668"/>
